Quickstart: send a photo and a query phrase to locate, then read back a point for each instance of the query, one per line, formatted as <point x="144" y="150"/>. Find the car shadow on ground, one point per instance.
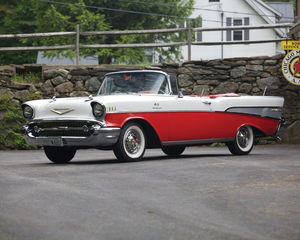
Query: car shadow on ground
<point x="148" y="159"/>
<point x="108" y="160"/>
<point x="97" y="160"/>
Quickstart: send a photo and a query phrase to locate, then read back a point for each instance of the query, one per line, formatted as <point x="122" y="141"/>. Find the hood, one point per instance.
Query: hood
<point x="62" y="107"/>
<point x="80" y="107"/>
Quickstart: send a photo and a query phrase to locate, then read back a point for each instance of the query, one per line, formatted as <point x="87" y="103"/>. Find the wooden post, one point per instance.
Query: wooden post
<point x="189" y="41"/>
<point x="77" y="44"/>
<point x="222" y="39"/>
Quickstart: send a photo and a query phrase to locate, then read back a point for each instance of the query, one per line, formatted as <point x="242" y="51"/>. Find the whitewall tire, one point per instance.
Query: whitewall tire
<point x="131" y="145"/>
<point x="243" y="141"/>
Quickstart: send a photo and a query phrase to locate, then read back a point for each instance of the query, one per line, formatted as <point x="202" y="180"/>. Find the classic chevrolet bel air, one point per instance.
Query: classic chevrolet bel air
<point x="135" y="110"/>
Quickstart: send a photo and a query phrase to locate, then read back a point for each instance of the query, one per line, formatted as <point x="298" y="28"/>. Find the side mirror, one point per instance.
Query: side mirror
<point x="180" y="93"/>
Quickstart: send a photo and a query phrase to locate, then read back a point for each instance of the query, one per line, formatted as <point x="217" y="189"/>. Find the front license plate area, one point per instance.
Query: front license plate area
<point x="56" y="141"/>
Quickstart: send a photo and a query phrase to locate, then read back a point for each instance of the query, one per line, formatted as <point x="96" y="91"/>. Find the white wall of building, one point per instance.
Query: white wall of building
<point x="234" y="9"/>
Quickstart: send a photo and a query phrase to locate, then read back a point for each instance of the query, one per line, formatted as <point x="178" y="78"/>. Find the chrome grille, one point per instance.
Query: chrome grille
<point x="60" y="128"/>
<point x="69" y="124"/>
<point x="62" y="132"/>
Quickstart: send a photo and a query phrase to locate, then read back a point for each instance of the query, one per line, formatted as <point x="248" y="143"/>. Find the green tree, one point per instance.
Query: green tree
<point x="58" y="18"/>
<point x="17" y="16"/>
<point x="64" y="18"/>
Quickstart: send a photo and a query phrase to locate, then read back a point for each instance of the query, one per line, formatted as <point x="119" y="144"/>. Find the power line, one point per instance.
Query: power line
<point x="197" y="8"/>
<point x="127" y="11"/>
<point x="153" y="14"/>
<point x="112" y="9"/>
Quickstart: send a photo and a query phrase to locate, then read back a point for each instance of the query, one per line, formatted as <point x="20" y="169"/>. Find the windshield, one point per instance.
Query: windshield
<point x="135" y="82"/>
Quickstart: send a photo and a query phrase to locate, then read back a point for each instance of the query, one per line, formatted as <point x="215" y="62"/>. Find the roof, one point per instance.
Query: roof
<point x="287" y="10"/>
<point x="294" y="29"/>
<point x="255" y="4"/>
<point x="65" y="61"/>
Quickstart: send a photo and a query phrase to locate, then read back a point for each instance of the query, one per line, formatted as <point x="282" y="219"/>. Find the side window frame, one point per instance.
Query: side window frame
<point x="174" y="84"/>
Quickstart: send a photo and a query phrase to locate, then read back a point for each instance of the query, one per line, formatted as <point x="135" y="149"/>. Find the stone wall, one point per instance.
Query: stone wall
<point x="248" y="76"/>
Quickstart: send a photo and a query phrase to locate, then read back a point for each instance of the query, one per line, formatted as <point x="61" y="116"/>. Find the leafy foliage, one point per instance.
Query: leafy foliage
<point x="16" y="17"/>
<point x="28" y="16"/>
<point x="64" y="18"/>
<point x="19" y="141"/>
<point x="5" y="103"/>
<point x="30" y="77"/>
<point x="12" y="115"/>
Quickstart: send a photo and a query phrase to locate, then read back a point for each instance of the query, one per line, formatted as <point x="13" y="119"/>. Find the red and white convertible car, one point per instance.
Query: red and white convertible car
<point x="135" y="110"/>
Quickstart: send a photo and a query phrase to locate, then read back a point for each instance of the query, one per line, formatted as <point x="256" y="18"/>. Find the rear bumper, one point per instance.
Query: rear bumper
<point x="281" y="129"/>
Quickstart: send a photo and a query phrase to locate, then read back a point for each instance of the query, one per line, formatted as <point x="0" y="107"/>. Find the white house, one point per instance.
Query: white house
<point x="63" y="61"/>
<point x="217" y="13"/>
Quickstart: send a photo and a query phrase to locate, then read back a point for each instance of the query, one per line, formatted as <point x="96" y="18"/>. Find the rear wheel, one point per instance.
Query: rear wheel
<point x="243" y="141"/>
<point x="173" y="151"/>
<point x="59" y="154"/>
<point x="131" y="145"/>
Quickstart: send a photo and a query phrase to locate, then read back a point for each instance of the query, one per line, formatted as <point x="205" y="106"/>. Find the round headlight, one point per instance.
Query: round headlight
<point x="28" y="112"/>
<point x="98" y="110"/>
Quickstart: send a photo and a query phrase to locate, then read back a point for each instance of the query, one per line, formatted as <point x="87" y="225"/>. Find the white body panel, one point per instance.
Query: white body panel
<point x="148" y="103"/>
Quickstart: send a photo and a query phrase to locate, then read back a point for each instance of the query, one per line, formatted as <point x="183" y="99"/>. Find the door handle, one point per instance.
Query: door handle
<point x="207" y="102"/>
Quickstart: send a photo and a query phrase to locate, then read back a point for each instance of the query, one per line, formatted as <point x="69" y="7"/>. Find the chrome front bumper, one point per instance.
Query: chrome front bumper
<point x="100" y="136"/>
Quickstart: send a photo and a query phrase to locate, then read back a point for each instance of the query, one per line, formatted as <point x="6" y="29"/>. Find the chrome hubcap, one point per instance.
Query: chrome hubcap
<point x="243" y="137"/>
<point x="132" y="141"/>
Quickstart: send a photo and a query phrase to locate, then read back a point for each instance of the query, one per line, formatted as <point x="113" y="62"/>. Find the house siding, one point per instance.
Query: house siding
<point x="233" y="9"/>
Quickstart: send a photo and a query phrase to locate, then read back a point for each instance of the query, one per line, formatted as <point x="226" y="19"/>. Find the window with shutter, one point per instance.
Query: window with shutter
<point x="228" y="32"/>
<point x="237" y="34"/>
<point x="246" y="31"/>
<point x="199" y="34"/>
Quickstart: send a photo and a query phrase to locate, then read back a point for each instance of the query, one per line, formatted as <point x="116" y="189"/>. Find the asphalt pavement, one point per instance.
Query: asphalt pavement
<point x="207" y="193"/>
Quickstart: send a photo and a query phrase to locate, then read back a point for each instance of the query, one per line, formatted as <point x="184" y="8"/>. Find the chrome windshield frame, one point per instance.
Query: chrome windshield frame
<point x="117" y="89"/>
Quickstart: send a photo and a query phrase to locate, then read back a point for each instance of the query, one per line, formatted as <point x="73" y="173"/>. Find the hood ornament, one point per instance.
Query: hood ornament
<point x="90" y="98"/>
<point x="61" y="111"/>
<point x="53" y="99"/>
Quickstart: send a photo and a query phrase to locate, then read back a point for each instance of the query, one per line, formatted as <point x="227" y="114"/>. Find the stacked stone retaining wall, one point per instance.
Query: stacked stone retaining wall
<point x="250" y="76"/>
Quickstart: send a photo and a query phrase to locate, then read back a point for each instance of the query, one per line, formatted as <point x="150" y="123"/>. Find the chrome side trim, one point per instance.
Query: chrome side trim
<point x="197" y="142"/>
<point x="265" y="112"/>
<point x="163" y="111"/>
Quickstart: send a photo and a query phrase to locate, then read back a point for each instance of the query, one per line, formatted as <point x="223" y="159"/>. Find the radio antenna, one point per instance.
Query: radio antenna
<point x="265" y="90"/>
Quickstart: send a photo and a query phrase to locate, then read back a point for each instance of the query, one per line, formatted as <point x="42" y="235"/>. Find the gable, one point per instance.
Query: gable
<point x="265" y="11"/>
<point x="287" y="10"/>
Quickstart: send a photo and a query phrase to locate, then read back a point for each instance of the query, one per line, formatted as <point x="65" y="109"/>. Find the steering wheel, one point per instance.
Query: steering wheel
<point x="160" y="91"/>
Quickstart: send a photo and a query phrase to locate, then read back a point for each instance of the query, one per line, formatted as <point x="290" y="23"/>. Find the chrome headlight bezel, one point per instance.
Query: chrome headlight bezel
<point x="28" y="111"/>
<point x="98" y="109"/>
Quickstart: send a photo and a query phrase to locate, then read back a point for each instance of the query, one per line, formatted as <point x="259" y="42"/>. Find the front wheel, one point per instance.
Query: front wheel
<point x="243" y="141"/>
<point x="59" y="154"/>
<point x="131" y="145"/>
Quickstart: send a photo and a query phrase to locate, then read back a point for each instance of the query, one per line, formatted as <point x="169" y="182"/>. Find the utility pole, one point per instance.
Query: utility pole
<point x="298" y="14"/>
